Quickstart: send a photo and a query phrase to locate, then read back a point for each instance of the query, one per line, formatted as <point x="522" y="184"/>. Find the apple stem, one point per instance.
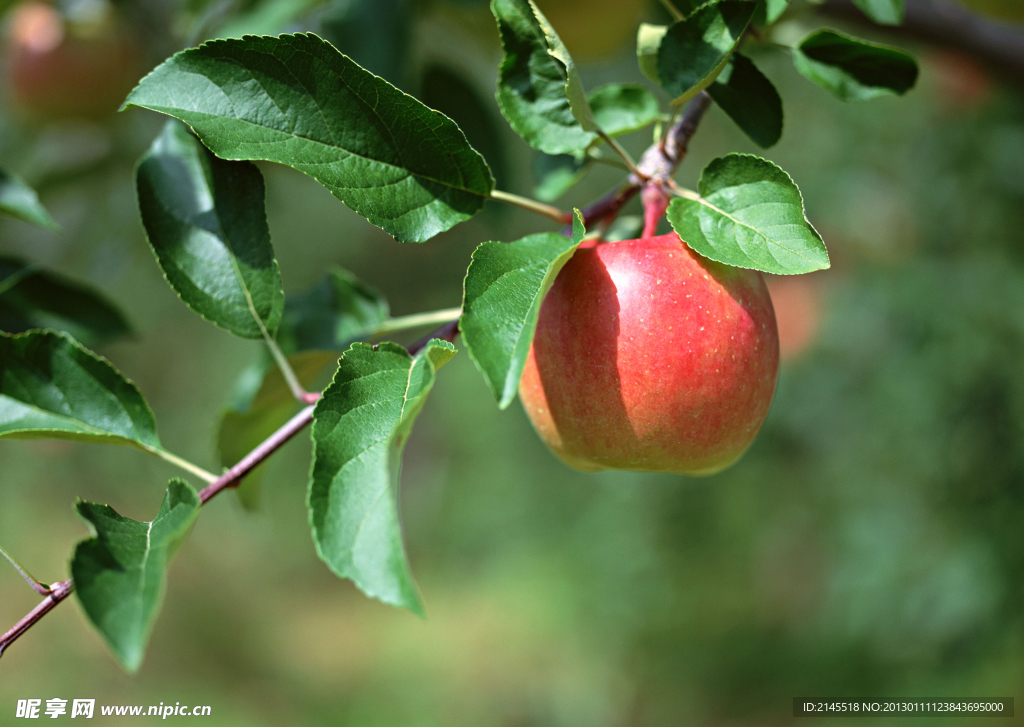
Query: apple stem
<point x="655" y="203"/>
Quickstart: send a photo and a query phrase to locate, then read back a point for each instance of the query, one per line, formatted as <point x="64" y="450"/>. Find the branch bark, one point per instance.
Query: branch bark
<point x="231" y="478"/>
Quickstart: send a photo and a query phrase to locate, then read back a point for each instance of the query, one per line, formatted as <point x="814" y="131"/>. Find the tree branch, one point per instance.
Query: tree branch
<point x="947" y="23"/>
<point x="658" y="164"/>
<point x="231" y="478"/>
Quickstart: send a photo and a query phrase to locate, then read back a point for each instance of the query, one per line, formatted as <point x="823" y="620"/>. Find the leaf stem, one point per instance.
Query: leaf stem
<point x="183" y="463"/>
<point x="416" y="320"/>
<point x="290" y="377"/>
<point x="672" y="10"/>
<point x="36" y="585"/>
<point x="545" y="210"/>
<point x="623" y="154"/>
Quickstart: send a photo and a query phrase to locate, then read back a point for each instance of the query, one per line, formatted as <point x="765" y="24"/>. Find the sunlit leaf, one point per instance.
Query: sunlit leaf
<point x="360" y="426"/>
<point x="751" y="215"/>
<point x="696" y="49"/>
<point x="206" y="223"/>
<point x="505" y="286"/>
<point x="622" y="109"/>
<point x="296" y="100"/>
<point x="53" y="388"/>
<point x="120" y="574"/>
<point x="539" y="90"/>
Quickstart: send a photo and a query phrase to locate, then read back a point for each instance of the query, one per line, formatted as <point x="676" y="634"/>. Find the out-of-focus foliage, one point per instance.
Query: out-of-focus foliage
<point x="868" y="544"/>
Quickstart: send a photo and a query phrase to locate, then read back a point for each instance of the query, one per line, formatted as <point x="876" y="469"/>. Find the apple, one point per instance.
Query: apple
<point x="650" y="357"/>
<point x="60" y="70"/>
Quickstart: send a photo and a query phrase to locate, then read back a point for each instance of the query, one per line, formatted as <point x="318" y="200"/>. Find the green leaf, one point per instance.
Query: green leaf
<point x="34" y="298"/>
<point x="853" y="69"/>
<point x="648" y="40"/>
<point x="505" y="286"/>
<point x="332" y="314"/>
<point x="296" y="100"/>
<point x="539" y="90"/>
<point x="751" y="216"/>
<point x="256" y="414"/>
<point x="883" y="12"/>
<point x="750" y="99"/>
<point x="768" y="11"/>
<point x="317" y="324"/>
<point x="53" y="388"/>
<point x="557" y="174"/>
<point x="360" y="427"/>
<point x="696" y="49"/>
<point x="121" y="573"/>
<point x="207" y="226"/>
<point x="621" y="109"/>
<point x="17" y="199"/>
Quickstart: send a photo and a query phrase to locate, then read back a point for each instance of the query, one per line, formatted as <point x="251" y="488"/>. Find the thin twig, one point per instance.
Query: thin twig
<point x="231" y="478"/>
<point x="672" y="10"/>
<point x="290" y="377"/>
<point x="35" y="584"/>
<point x="418" y="320"/>
<point x="532" y="205"/>
<point x="622" y="153"/>
<point x="58" y="593"/>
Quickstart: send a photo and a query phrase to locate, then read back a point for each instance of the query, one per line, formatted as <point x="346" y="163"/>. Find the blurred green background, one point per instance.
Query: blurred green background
<point x="869" y="545"/>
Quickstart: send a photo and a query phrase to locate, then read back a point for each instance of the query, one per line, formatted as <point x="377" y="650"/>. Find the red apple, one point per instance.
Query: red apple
<point x="57" y="70"/>
<point x="650" y="357"/>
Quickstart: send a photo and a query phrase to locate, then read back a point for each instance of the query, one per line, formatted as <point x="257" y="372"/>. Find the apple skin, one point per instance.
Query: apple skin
<point x="650" y="357"/>
<point x="54" y="74"/>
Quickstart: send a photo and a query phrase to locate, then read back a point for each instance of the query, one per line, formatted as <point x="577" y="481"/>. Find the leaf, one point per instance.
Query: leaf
<point x="34" y="298"/>
<point x="751" y="216"/>
<point x="768" y="11"/>
<point x="121" y="573"/>
<point x="539" y="90"/>
<point x="17" y="199"/>
<point x="206" y="223"/>
<point x="622" y="109"/>
<point x="853" y="69"/>
<point x="696" y="49"/>
<point x="317" y="324"/>
<point x="648" y="40"/>
<point x="558" y="174"/>
<point x="332" y="314"/>
<point x="750" y="99"/>
<point x="360" y="427"/>
<point x="53" y="388"/>
<point x="505" y="286"/>
<point x="296" y="100"/>
<point x="256" y="414"/>
<point x="883" y="12"/>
